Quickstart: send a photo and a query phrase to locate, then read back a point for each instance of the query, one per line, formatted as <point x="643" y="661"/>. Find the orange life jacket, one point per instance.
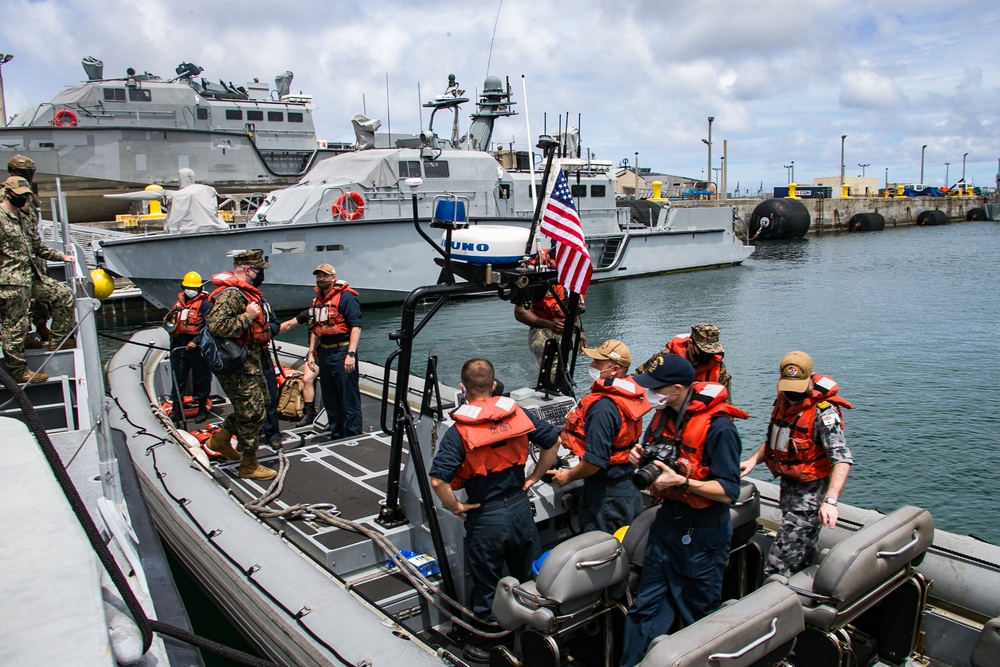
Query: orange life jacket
<point x="790" y="450"/>
<point x="707" y="402"/>
<point x="260" y="330"/>
<point x="548" y="308"/>
<point x="327" y="320"/>
<point x="495" y="435"/>
<point x="707" y="372"/>
<point x="188" y="315"/>
<point x="629" y="398"/>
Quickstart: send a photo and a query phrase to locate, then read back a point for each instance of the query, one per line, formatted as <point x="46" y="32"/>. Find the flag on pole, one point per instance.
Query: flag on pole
<point x="561" y="223"/>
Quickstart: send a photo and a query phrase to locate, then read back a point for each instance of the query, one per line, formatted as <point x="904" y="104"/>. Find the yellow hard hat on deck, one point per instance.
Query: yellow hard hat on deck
<point x="191" y="279"/>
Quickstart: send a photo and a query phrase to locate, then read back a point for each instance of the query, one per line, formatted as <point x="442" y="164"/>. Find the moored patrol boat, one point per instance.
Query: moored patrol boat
<point x="302" y="567"/>
<point x="141" y="129"/>
<point x="353" y="211"/>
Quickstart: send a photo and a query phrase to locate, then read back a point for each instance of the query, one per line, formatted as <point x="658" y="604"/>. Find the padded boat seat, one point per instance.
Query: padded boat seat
<point x="743" y="513"/>
<point x="856" y="572"/>
<point x="758" y="629"/>
<point x="576" y="578"/>
<point x="986" y="652"/>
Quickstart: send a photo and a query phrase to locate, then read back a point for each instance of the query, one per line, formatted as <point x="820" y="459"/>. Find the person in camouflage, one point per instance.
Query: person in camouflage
<point x="238" y="312"/>
<point x="48" y="296"/>
<point x="805" y="446"/>
<point x="17" y="273"/>
<point x="702" y="348"/>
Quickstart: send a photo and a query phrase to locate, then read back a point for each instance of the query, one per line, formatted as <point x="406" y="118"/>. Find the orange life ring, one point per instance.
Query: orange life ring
<point x="340" y="206"/>
<point x="65" y="118"/>
<point x="190" y="406"/>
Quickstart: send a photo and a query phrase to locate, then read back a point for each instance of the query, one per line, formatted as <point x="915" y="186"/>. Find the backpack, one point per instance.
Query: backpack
<point x="291" y="402"/>
<point x="224" y="355"/>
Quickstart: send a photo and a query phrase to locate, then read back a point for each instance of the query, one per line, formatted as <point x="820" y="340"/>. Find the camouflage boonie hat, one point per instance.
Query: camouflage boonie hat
<point x="254" y="258"/>
<point x="705" y="336"/>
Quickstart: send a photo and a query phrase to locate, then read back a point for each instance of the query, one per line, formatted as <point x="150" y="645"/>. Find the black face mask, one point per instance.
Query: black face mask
<point x="17" y="201"/>
<point x="258" y="278"/>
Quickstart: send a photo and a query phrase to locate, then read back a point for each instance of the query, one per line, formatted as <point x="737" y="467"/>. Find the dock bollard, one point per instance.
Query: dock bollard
<point x="154" y="204"/>
<point x="845" y="191"/>
<point x="791" y="191"/>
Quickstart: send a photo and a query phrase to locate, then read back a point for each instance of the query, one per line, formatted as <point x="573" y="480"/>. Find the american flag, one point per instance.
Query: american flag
<point x="561" y="223"/>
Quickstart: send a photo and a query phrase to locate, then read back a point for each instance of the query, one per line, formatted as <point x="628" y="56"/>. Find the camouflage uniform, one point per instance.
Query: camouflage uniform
<point x="795" y="546"/>
<point x="47" y="293"/>
<point x="245" y="387"/>
<point x="17" y="273"/>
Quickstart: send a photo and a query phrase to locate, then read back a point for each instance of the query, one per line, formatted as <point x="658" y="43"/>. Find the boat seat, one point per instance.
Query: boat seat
<point x="576" y="577"/>
<point x="759" y="629"/>
<point x="743" y="513"/>
<point x="839" y="585"/>
<point x="986" y="652"/>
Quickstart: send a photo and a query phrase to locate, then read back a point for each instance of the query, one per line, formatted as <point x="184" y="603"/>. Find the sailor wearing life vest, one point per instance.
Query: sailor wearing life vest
<point x="702" y="348"/>
<point x="334" y="333"/>
<point x="806" y="448"/>
<point x="689" y="539"/>
<point x="545" y="318"/>
<point x="185" y="357"/>
<point x="601" y="430"/>
<point x="239" y="311"/>
<point x="484" y="453"/>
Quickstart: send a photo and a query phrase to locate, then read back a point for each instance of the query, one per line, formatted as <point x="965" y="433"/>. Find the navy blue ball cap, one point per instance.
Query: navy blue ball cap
<point x="675" y="369"/>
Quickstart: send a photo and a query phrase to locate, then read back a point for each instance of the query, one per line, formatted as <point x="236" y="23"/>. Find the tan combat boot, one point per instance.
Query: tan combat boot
<point x="219" y="442"/>
<point x="32" y="343"/>
<point x="24" y="377"/>
<point x="67" y="344"/>
<point x="250" y="469"/>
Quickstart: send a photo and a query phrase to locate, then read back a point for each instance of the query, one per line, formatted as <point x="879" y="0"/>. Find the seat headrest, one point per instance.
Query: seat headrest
<point x="868" y="557"/>
<point x="582" y="565"/>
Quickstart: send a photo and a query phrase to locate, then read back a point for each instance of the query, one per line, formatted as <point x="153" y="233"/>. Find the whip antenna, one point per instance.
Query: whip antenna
<point x="489" y="58"/>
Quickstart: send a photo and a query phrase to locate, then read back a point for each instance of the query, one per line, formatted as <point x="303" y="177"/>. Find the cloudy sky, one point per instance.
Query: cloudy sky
<point x="783" y="80"/>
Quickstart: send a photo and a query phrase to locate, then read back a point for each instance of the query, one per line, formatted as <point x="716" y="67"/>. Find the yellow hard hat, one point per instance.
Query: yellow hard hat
<point x="104" y="285"/>
<point x="191" y="279"/>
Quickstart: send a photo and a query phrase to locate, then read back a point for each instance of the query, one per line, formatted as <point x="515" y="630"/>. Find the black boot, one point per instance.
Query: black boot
<point x="202" y="411"/>
<point x="308" y="415"/>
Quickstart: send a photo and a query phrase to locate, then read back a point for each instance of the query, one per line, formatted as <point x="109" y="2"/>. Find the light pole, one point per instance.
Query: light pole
<point x="946" y="174"/>
<point x="637" y="175"/>
<point x="842" y="137"/>
<point x="793" y="171"/>
<point x="887" y="178"/>
<point x="4" y="59"/>
<point x="708" y="142"/>
<point x="964" y="155"/>
<point x="863" y="167"/>
<point x="789" y="168"/>
<point x="922" y="149"/>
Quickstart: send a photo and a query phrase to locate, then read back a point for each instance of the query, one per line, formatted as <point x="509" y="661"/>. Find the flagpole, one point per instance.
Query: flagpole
<point x="547" y="145"/>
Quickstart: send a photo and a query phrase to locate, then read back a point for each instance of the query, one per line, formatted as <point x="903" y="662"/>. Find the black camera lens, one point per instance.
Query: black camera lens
<point x="644" y="476"/>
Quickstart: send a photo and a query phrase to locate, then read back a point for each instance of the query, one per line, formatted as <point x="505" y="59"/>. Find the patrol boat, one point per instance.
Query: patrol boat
<point x="84" y="571"/>
<point x="140" y="129"/>
<point x="347" y="558"/>
<point x="353" y="211"/>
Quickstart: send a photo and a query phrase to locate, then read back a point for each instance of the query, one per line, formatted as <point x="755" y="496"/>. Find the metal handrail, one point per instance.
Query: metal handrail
<point x="749" y="647"/>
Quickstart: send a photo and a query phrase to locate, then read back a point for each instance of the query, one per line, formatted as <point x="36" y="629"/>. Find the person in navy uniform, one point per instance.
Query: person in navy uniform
<point x="688" y="543"/>
<point x="484" y="453"/>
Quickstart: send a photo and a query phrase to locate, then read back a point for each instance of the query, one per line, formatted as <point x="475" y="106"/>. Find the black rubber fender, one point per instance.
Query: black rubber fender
<point x="932" y="217"/>
<point x="779" y="219"/>
<point x="975" y="213"/>
<point x="866" y="222"/>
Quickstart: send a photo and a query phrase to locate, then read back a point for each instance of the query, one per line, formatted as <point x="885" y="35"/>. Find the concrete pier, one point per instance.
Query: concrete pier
<point x="832" y="215"/>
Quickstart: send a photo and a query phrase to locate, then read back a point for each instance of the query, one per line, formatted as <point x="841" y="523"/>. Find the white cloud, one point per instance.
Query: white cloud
<point x="866" y="88"/>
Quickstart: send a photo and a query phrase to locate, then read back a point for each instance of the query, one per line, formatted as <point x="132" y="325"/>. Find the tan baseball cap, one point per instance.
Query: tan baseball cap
<point x="796" y="371"/>
<point x="613" y="350"/>
<point x="18" y="185"/>
<point x="325" y="268"/>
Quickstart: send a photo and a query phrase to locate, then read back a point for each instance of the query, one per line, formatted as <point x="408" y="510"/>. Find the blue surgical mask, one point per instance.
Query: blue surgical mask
<point x="190" y="293"/>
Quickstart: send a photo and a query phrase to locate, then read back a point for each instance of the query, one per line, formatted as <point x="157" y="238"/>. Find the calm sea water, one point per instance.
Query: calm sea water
<point x="905" y="320"/>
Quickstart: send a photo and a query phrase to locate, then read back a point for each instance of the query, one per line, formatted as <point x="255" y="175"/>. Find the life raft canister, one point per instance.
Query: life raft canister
<point x="65" y="118"/>
<point x="349" y="212"/>
<point x="190" y="406"/>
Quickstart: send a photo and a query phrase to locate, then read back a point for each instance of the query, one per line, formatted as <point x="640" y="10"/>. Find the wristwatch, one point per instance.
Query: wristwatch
<point x="351" y="354"/>
<point x="830" y="500"/>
